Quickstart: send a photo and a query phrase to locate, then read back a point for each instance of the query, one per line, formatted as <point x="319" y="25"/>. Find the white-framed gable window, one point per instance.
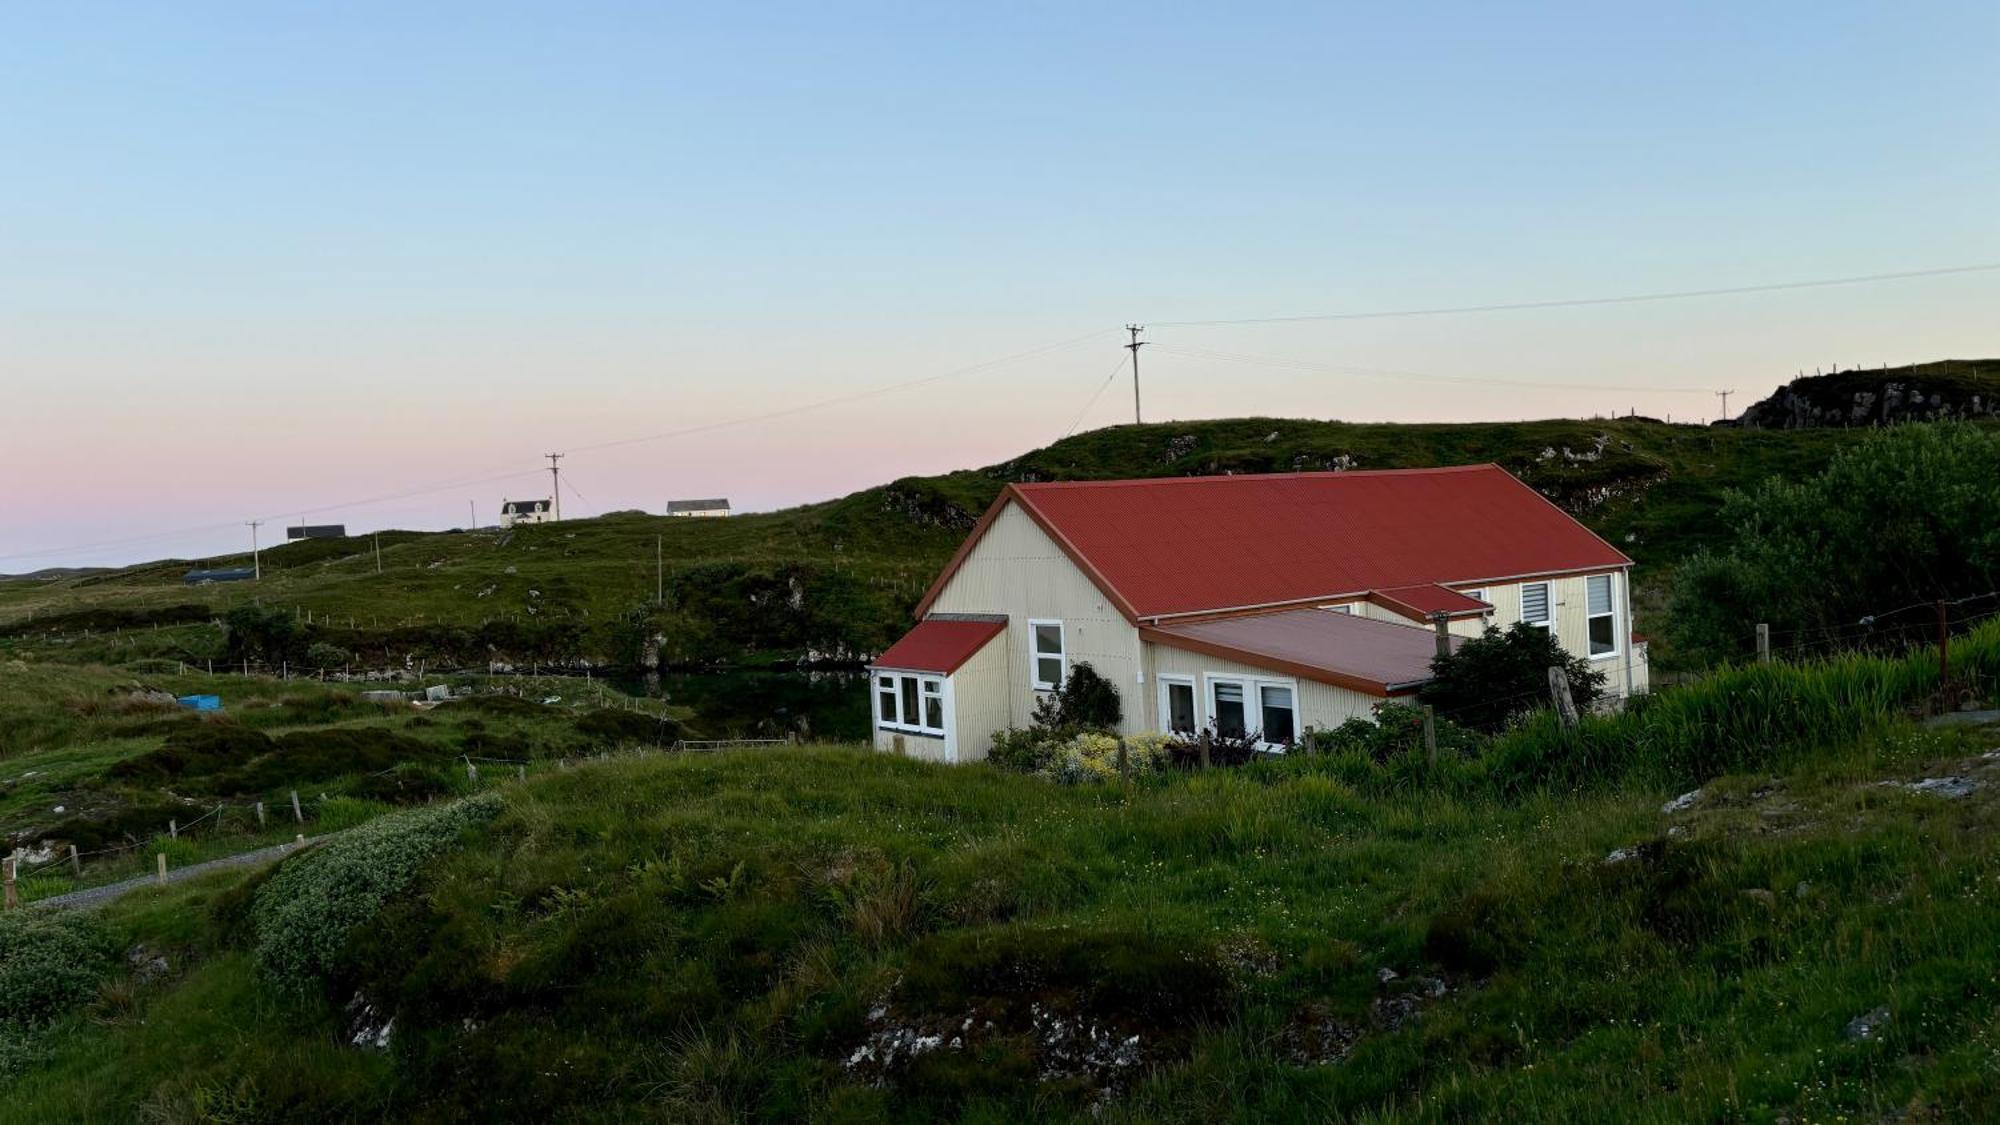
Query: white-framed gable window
<point x="1535" y="608"/>
<point x="910" y="702"/>
<point x="1048" y="659"/>
<point x="1603" y="615"/>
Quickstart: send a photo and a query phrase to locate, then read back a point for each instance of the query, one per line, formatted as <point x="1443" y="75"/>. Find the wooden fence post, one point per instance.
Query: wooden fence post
<point x="75" y="863"/>
<point x="1763" y="643"/>
<point x="1430" y="733"/>
<point x="174" y="829"/>
<point x="1560" y="696"/>
<point x="161" y="857"/>
<point x="1204" y="749"/>
<point x="260" y="814"/>
<point x="1124" y="763"/>
<point x="521" y="772"/>
<point x="298" y="814"/>
<point x="471" y="773"/>
<point x="13" y="898"/>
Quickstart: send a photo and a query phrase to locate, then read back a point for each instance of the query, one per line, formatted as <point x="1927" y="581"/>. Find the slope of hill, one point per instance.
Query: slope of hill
<point x="837" y="579"/>
<point x="1920" y="392"/>
<point x="832" y="935"/>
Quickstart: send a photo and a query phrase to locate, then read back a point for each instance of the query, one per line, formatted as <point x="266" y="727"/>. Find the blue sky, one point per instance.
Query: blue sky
<point x="257" y="259"/>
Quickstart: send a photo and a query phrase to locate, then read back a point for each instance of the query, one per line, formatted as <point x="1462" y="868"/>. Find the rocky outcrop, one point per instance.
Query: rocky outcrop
<point x="1930" y="392"/>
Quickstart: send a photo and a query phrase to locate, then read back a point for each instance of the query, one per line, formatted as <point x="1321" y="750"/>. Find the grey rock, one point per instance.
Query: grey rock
<point x="1951" y="788"/>
<point x="1682" y="803"/>
<point x="1868" y="1027"/>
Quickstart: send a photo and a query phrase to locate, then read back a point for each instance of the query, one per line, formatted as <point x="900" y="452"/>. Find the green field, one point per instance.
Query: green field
<point x="837" y="580"/>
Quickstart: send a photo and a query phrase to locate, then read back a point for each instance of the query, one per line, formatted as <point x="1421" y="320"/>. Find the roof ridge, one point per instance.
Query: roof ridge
<point x="1213" y="477"/>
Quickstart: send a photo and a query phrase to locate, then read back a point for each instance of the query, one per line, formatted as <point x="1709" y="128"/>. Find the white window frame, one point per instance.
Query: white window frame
<point x="1253" y="703"/>
<point x="1611" y="597"/>
<point x="1347" y="608"/>
<point x="1167" y="684"/>
<point x="1548" y="605"/>
<point x="929" y="685"/>
<point x="1036" y="655"/>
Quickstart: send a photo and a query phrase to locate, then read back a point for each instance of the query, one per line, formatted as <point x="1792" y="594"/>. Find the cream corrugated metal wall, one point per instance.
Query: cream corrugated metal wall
<point x="1570" y="610"/>
<point x="978" y="695"/>
<point x="1016" y="569"/>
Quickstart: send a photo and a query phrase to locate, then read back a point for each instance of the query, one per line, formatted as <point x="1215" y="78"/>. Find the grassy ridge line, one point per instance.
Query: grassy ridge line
<point x="862" y="560"/>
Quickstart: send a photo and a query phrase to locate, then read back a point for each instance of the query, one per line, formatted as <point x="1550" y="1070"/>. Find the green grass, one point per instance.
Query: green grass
<point x="716" y="937"/>
<point x="858" y="564"/>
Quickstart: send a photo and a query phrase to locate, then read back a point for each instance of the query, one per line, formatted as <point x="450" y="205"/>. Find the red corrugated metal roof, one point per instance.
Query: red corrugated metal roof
<point x="1187" y="545"/>
<point x="940" y="644"/>
<point x="1419" y="602"/>
<point x="1377" y="657"/>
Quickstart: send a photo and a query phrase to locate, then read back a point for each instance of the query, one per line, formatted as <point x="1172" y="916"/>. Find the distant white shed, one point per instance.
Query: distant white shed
<point x="698" y="508"/>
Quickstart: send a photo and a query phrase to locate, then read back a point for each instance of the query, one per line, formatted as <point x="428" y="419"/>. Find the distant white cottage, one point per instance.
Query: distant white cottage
<point x="1243" y="604"/>
<point x="698" y="509"/>
<point x="514" y="512"/>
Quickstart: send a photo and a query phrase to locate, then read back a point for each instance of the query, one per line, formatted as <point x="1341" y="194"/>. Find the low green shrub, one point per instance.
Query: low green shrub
<point x="1396" y="729"/>
<point x="306" y="910"/>
<point x="627" y="728"/>
<point x="50" y="961"/>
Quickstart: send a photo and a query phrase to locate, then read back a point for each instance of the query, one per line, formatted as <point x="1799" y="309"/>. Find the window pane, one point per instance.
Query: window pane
<point x="1048" y="639"/>
<point x="1180" y="708"/>
<point x="910" y="699"/>
<point x="1229" y="716"/>
<point x="1535" y="603"/>
<point x="1048" y="670"/>
<point x="886" y="705"/>
<point x="934" y="712"/>
<point x="1598" y="588"/>
<point x="1603" y="639"/>
<point x="1277" y="707"/>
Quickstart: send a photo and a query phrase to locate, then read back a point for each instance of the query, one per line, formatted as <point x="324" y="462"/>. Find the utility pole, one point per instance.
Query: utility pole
<point x="1724" y="396"/>
<point x="1134" y="347"/>
<point x="256" y="559"/>
<point x="555" y="482"/>
<point x="472" y="511"/>
<point x="378" y="551"/>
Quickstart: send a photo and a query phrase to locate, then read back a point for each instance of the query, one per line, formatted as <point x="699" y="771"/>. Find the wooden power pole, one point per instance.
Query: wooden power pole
<point x="1134" y="347"/>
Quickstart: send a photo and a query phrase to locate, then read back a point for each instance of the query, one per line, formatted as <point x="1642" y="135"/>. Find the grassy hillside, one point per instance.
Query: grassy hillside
<point x="838" y="936"/>
<point x="838" y="579"/>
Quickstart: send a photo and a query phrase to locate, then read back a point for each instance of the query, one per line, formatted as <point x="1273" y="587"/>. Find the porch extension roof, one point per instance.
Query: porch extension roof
<point x="941" y="644"/>
<point x="1373" y="657"/>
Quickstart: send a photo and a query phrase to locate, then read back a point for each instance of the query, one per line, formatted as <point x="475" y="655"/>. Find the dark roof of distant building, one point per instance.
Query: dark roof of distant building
<point x="516" y="507"/>
<point x="697" y="505"/>
<point x="941" y="644"/>
<point x="1326" y="646"/>
<point x="1199" y="545"/>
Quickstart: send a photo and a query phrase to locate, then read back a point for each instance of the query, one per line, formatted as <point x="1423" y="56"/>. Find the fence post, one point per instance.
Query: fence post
<point x="1204" y="749"/>
<point x="260" y="814"/>
<point x="471" y="772"/>
<point x="298" y="814"/>
<point x="1124" y="764"/>
<point x="1944" y="648"/>
<point x="521" y="772"/>
<point x="1560" y="696"/>
<point x="1430" y="733"/>
<point x="1763" y="643"/>
<point x="162" y="858"/>
<point x="13" y="868"/>
<point x="174" y="829"/>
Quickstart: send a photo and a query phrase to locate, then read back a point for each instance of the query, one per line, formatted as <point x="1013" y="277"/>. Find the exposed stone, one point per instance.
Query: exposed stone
<point x="1951" y="788"/>
<point x="1869" y="1026"/>
<point x="1682" y="803"/>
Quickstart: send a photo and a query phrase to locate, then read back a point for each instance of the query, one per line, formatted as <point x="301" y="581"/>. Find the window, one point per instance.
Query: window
<point x="1050" y="663"/>
<point x="1535" y="604"/>
<point x="1475" y="595"/>
<point x="1179" y="706"/>
<point x="1603" y="620"/>
<point x="1230" y="715"/>
<point x="905" y="701"/>
<point x="1280" y="723"/>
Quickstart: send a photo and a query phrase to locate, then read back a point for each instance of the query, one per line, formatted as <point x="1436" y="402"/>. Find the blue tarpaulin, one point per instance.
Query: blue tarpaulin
<point x="202" y="702"/>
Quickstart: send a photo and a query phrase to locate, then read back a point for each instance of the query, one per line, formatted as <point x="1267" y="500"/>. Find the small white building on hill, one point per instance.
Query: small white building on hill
<point x="1261" y="604"/>
<point x="698" y="509"/>
<point x="516" y="512"/>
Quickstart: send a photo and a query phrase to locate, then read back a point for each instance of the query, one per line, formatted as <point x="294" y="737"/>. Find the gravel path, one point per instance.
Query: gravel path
<point x="98" y="896"/>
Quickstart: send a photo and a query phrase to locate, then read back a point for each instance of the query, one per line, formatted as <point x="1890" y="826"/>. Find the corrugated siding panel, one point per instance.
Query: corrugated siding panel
<point x="1016" y="569"/>
<point x="979" y="698"/>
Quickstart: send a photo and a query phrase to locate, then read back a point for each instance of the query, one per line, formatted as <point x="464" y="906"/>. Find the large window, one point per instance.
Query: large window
<point x="1177" y="698"/>
<point x="1266" y="708"/>
<point x="1603" y="618"/>
<point x="1535" y="604"/>
<point x="1226" y="699"/>
<point x="1280" y="716"/>
<point x="1051" y="663"/>
<point x="906" y="701"/>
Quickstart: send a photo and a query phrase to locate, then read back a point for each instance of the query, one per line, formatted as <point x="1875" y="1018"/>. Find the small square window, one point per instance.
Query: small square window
<point x="1535" y="604"/>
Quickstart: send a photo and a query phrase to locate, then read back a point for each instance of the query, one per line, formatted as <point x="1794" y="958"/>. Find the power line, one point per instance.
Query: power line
<point x="1095" y="395"/>
<point x="1580" y="302"/>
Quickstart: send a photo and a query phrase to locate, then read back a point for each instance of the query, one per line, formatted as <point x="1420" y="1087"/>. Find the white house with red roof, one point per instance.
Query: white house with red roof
<point x="1263" y="604"/>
